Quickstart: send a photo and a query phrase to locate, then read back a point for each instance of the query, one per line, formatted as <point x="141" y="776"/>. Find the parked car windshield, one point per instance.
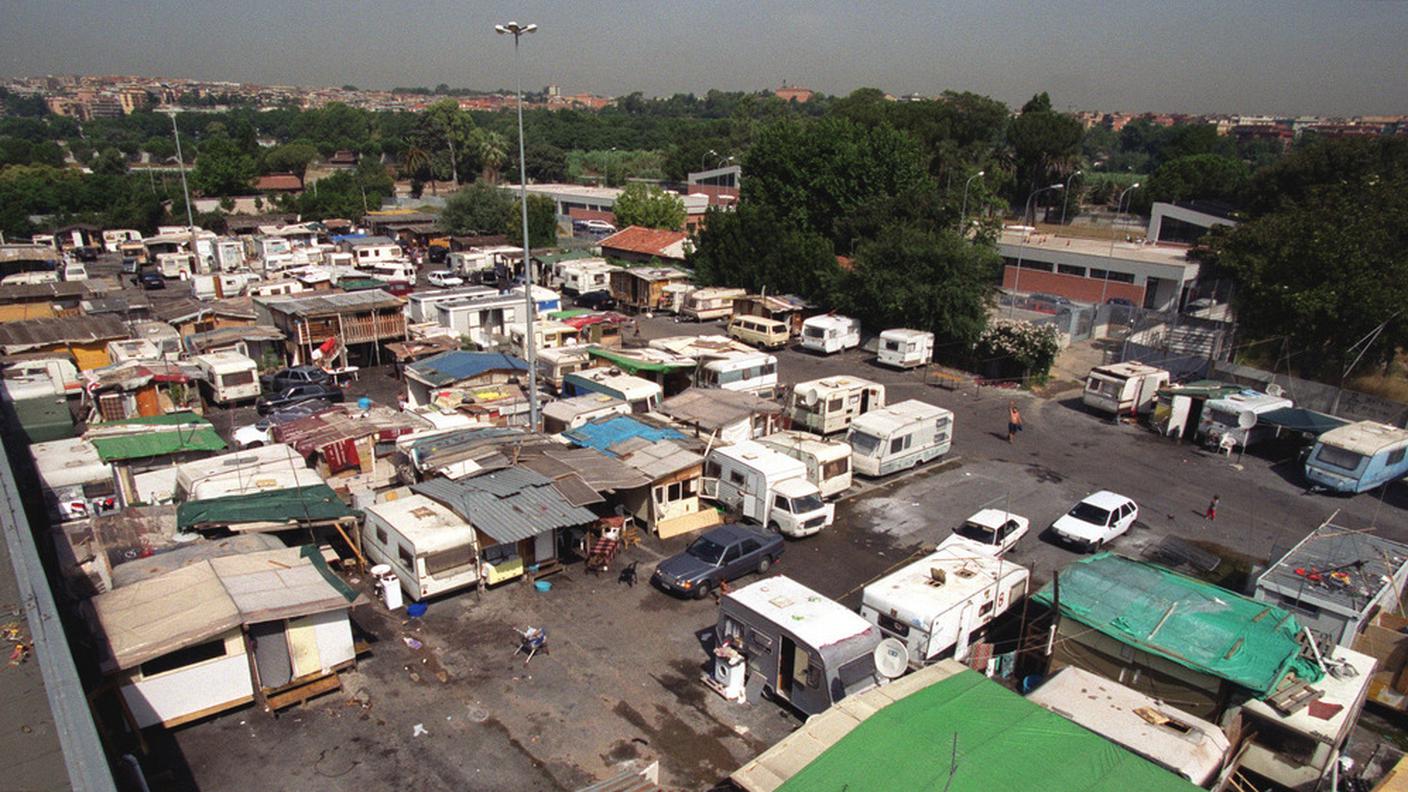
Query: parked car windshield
<point x="805" y="504"/>
<point x="706" y="549"/>
<point x="971" y="530"/>
<point x="864" y="444"/>
<point x="1089" y="512"/>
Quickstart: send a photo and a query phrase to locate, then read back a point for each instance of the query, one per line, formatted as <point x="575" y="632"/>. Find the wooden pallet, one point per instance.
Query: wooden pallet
<point x="301" y="693"/>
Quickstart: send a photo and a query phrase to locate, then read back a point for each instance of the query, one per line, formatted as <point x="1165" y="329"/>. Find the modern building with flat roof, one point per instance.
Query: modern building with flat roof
<point x="1094" y="271"/>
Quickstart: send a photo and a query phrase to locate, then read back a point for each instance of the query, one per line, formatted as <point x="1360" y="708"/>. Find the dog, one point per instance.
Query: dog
<point x="628" y="575"/>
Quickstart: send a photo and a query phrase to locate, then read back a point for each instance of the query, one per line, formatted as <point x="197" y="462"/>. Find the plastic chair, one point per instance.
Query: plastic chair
<point x="531" y="641"/>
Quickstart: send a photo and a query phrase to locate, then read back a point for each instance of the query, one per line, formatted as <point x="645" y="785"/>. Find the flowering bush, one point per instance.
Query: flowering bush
<point x="1032" y="347"/>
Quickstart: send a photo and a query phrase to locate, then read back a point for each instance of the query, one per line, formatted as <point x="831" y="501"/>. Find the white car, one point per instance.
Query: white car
<point x="990" y="532"/>
<point x="444" y="279"/>
<point x="1096" y="520"/>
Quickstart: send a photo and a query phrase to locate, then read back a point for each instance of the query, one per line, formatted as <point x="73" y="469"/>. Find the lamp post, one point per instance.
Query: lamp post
<point x="704" y="160"/>
<point x="1066" y="196"/>
<point x="1021" y="246"/>
<point x="190" y="220"/>
<point x="1119" y="212"/>
<point x="963" y="214"/>
<point x="530" y="341"/>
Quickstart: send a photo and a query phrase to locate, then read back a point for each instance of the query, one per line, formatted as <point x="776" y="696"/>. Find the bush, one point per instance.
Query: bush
<point x="1018" y="349"/>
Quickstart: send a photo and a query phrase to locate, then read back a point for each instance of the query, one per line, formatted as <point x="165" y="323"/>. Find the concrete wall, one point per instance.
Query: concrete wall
<point x="1348" y="404"/>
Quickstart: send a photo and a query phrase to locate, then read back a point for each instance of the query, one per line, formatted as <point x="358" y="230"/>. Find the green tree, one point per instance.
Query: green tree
<point x="492" y="150"/>
<point x="221" y="168"/>
<point x="1045" y="145"/>
<point x="445" y="127"/>
<point x="110" y="162"/>
<point x="161" y="149"/>
<point x="290" y="158"/>
<point x="478" y="208"/>
<point x="649" y="206"/>
<point x="752" y="248"/>
<point x="1207" y="177"/>
<point x="542" y="222"/>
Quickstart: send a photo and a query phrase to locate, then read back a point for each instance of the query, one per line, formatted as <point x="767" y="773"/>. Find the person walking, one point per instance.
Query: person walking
<point x="1014" y="421"/>
<point x="1211" y="513"/>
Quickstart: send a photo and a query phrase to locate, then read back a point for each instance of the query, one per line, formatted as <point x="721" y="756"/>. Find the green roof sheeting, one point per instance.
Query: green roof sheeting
<point x="1195" y="624"/>
<point x="168" y="419"/>
<point x="314" y="503"/>
<point x="153" y="444"/>
<point x="1003" y="742"/>
<point x="632" y="365"/>
<point x="568" y="313"/>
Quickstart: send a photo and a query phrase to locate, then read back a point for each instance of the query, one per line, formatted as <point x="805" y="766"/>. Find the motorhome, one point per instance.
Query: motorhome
<point x="810" y="651"/>
<point x="581" y="276"/>
<point x="828" y="461"/>
<point x="903" y="348"/>
<point x="767" y="487"/>
<point x="228" y="377"/>
<point x="641" y="394"/>
<point x="176" y="265"/>
<point x="941" y="603"/>
<point x="1123" y="388"/>
<point x="483" y="264"/>
<point x="564" y="414"/>
<point x="1233" y="419"/>
<point x="899" y="437"/>
<point x="219" y="285"/>
<point x="229" y="255"/>
<point x="751" y="372"/>
<point x="431" y="549"/>
<point x="708" y="304"/>
<point x="830" y="333"/>
<point x="556" y="363"/>
<point x="829" y="405"/>
<point x="1358" y="457"/>
<point x="373" y="249"/>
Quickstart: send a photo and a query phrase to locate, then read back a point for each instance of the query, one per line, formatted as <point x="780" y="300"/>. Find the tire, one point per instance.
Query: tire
<point x="764" y="564"/>
<point x="703" y="589"/>
<point x="774" y="527"/>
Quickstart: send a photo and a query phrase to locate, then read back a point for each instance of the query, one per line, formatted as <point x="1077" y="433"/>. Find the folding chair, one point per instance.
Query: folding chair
<point x="531" y="641"/>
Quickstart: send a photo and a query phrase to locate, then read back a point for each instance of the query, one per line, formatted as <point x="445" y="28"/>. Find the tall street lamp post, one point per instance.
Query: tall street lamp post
<point x="1021" y="246"/>
<point x="1066" y="196"/>
<point x="1119" y="212"/>
<point x="530" y="341"/>
<point x="963" y="215"/>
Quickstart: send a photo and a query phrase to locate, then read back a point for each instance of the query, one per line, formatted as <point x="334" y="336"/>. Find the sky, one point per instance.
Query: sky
<point x="1281" y="57"/>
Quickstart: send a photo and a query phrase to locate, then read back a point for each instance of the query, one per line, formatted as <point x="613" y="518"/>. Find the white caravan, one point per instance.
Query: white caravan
<point x="1233" y="419"/>
<point x="555" y="363"/>
<point x="1123" y="388"/>
<point x="899" y="437"/>
<point x="583" y="276"/>
<point x="830" y="333"/>
<point x="264" y="469"/>
<point x="176" y="265"/>
<point x="829" y="405"/>
<point x="564" y="414"/>
<point x="767" y="487"/>
<point x="420" y="306"/>
<point x="431" y="549"/>
<point x="227" y="377"/>
<point x="828" y="461"/>
<point x="751" y="372"/>
<point x="641" y="394"/>
<point x="391" y="271"/>
<point x="903" y="348"/>
<point x="708" y="304"/>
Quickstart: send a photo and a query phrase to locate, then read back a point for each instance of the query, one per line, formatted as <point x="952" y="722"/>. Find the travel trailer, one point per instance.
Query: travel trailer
<point x="391" y="271"/>
<point x="547" y="333"/>
<point x="673" y="297"/>
<point x="263" y="469"/>
<point x="810" y="651"/>
<point x="582" y="276"/>
<point x="829" y="405"/>
<point x="564" y="414"/>
<point x="176" y="265"/>
<point x="431" y="549"/>
<point x="752" y="372"/>
<point x="555" y="363"/>
<point x="1358" y="457"/>
<point x="828" y="461"/>
<point x="830" y="333"/>
<point x="114" y="238"/>
<point x="710" y="303"/>
<point x="899" y="437"/>
<point x="1234" y="417"/>
<point x="74" y="480"/>
<point x="904" y="349"/>
<point x="940" y="603"/>
<point x="1123" y="388"/>
<point x="767" y="487"/>
<point x="228" y="377"/>
<point x="641" y="394"/>
<point x="420" y="306"/>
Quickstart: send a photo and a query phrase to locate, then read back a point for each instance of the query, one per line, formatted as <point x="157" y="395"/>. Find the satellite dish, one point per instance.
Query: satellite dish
<point x="1275" y="390"/>
<point x="1246" y="419"/>
<point x="891" y="658"/>
<point x="809" y="398"/>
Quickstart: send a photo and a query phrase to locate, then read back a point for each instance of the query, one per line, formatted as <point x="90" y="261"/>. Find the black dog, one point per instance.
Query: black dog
<point x="628" y="575"/>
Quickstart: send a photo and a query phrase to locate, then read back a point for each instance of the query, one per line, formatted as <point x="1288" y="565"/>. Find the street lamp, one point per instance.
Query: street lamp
<point x="1066" y="196"/>
<point x="704" y="160"/>
<point x="530" y="341"/>
<point x="190" y="220"/>
<point x="1021" y="246"/>
<point x="963" y="215"/>
<point x="1119" y="211"/>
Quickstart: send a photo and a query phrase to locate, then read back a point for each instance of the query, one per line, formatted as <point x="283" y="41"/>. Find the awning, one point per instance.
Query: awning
<point x="1299" y="419"/>
<point x="632" y="364"/>
<point x="142" y="445"/>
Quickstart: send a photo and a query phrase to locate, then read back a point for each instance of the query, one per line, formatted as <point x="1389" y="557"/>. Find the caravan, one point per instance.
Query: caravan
<point x="767" y="487"/>
<point x="176" y="265"/>
<point x="1233" y="420"/>
<point x="830" y="333"/>
<point x="583" y="276"/>
<point x="828" y="461"/>
<point x="431" y="549"/>
<point x="227" y="377"/>
<point x="710" y="303"/>
<point x="902" y="348"/>
<point x="641" y="394"/>
<point x="556" y="363"/>
<point x="751" y="372"/>
<point x="1358" y="457"/>
<point x="829" y="405"/>
<point x="899" y="437"/>
<point x="1123" y="388"/>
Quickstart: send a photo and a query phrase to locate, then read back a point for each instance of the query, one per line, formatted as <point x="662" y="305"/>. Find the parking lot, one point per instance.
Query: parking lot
<point x="442" y="703"/>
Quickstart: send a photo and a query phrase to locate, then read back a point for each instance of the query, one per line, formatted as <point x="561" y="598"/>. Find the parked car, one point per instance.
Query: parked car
<point x="595" y="301"/>
<point x="444" y="279"/>
<point x="151" y="279"/>
<point x="129" y="265"/>
<point x="294" y="375"/>
<point x="87" y="253"/>
<point x="1096" y="520"/>
<point x="1120" y="301"/>
<point x="990" y="532"/>
<point x="257" y="434"/>
<point x="723" y="554"/>
<point x="297" y="394"/>
<point x="398" y="288"/>
<point x="438" y="254"/>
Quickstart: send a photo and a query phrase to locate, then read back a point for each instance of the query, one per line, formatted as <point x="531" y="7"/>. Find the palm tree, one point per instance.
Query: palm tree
<point x="415" y="161"/>
<point x="493" y="151"/>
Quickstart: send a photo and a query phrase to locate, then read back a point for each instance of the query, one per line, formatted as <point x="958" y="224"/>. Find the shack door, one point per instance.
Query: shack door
<point x="271" y="654"/>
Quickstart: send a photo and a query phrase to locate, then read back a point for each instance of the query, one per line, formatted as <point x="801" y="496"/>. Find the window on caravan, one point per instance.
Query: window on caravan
<point x="381" y="537"/>
<point x="1339" y="457"/>
<point x="736" y="478"/>
<point x="408" y="559"/>
<point x="237" y="378"/>
<point x="864" y="444"/>
<point x="835" y="467"/>
<point x="451" y="560"/>
<point x="1395" y="456"/>
<point x="835" y="405"/>
<point x="893" y="625"/>
<point x="184" y="658"/>
<point x="892" y="346"/>
<point x="901" y="444"/>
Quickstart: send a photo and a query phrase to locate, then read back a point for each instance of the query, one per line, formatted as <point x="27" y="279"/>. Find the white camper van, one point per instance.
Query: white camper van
<point x="899" y="437"/>
<point x="767" y="487"/>
<point x="939" y="602"/>
<point x="829" y="405"/>
<point x="1123" y="388"/>
<point x="903" y="348"/>
<point x="431" y="549"/>
<point x="828" y="461"/>
<point x="228" y="377"/>
<point x="1234" y="418"/>
<point x="830" y="333"/>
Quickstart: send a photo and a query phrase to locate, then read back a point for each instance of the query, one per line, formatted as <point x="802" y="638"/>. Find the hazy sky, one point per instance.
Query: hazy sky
<point x="1273" y="56"/>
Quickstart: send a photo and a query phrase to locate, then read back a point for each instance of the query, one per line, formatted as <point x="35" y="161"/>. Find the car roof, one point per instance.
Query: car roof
<point x="731" y="532"/>
<point x="1106" y="500"/>
<point x="991" y="519"/>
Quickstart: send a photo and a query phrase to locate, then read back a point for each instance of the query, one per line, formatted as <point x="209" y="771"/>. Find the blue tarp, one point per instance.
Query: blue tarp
<point x="454" y="366"/>
<point x="606" y="435"/>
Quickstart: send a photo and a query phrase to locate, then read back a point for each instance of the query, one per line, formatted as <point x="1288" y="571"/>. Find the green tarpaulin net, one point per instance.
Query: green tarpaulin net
<point x="315" y="503"/>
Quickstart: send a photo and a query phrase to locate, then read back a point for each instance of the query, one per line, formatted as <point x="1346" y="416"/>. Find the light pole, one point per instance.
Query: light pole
<point x="704" y="160"/>
<point x="963" y="215"/>
<point x="1021" y="246"/>
<point x="530" y="341"/>
<point x="190" y="220"/>
<point x="1119" y="211"/>
<point x="1066" y="196"/>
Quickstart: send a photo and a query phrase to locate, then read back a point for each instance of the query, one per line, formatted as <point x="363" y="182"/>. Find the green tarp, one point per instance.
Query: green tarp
<point x="173" y="440"/>
<point x="1004" y="742"/>
<point x="632" y="365"/>
<point x="168" y="419"/>
<point x="568" y="313"/>
<point x="315" y="503"/>
<point x="1299" y="419"/>
<point x="1195" y="624"/>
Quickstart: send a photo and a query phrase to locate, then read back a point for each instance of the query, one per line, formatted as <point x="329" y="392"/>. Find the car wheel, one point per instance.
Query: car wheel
<point x="702" y="590"/>
<point x="764" y="565"/>
<point x="774" y="527"/>
<point x="1097" y="547"/>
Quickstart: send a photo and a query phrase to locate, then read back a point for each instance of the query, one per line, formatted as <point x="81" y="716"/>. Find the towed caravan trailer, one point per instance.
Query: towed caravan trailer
<point x="899" y="437"/>
<point x="810" y="651"/>
<point x="939" y="602"/>
<point x="1358" y="457"/>
<point x="564" y="414"/>
<point x="828" y="461"/>
<point x="641" y="394"/>
<point x="750" y="372"/>
<point x="557" y="362"/>
<point x="583" y="276"/>
<point x="767" y="487"/>
<point x="903" y="348"/>
<point x="268" y="467"/>
<point x="710" y="303"/>
<point x="431" y="549"/>
<point x="829" y="405"/>
<point x="1235" y="417"/>
<point x="830" y="333"/>
<point x="228" y="377"/>
<point x="1123" y="388"/>
<point x="176" y="265"/>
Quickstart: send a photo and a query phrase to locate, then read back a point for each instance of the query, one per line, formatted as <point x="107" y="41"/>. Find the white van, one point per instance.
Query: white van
<point x="830" y="333"/>
<point x="228" y="377"/>
<point x="767" y="487"/>
<point x="755" y="330"/>
<point x="828" y="461"/>
<point x="903" y="348"/>
<point x="1235" y="418"/>
<point x="899" y="437"/>
<point x="751" y="372"/>
<point x="829" y="405"/>
<point x="708" y="304"/>
<point x="431" y="549"/>
<point x="641" y="394"/>
<point x="939" y="602"/>
<point x="1123" y="388"/>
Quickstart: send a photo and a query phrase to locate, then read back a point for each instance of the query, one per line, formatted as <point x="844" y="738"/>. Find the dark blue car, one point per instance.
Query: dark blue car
<point x="725" y="553"/>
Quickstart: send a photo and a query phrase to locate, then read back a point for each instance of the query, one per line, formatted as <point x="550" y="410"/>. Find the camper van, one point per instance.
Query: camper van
<point x="556" y="363"/>
<point x="940" y="602"/>
<point x="828" y="461"/>
<point x="829" y="405"/>
<point x="810" y="651"/>
<point x="431" y="549"/>
<point x="1235" y="417"/>
<point x="905" y="349"/>
<point x="899" y="437"/>
<point x="767" y="487"/>
<point x="227" y="377"/>
<point x="708" y="304"/>
<point x="1358" y="457"/>
<point x="752" y="372"/>
<point x="641" y="394"/>
<point x="176" y="265"/>
<point x="830" y="333"/>
<point x="1123" y="388"/>
<point x="755" y="330"/>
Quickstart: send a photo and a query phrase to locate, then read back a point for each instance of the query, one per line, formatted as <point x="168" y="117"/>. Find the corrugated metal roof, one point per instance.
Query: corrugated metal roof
<point x="606" y="435"/>
<point x="662" y="458"/>
<point x="712" y="409"/>
<point x="509" y="505"/>
<point x="23" y="292"/>
<point x="457" y="365"/>
<point x="197" y="343"/>
<point x="1362" y="565"/>
<point x="601" y="472"/>
<point x="332" y="304"/>
<point x="190" y="308"/>
<point x="31" y="333"/>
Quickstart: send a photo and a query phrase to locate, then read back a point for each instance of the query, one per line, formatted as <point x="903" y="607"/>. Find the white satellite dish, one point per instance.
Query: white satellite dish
<point x="1246" y="419"/>
<point x="1275" y="390"/>
<point x="809" y="398"/>
<point x="891" y="658"/>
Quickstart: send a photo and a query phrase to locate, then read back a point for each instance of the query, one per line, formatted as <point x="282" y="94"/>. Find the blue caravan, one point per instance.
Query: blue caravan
<point x="1358" y="457"/>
